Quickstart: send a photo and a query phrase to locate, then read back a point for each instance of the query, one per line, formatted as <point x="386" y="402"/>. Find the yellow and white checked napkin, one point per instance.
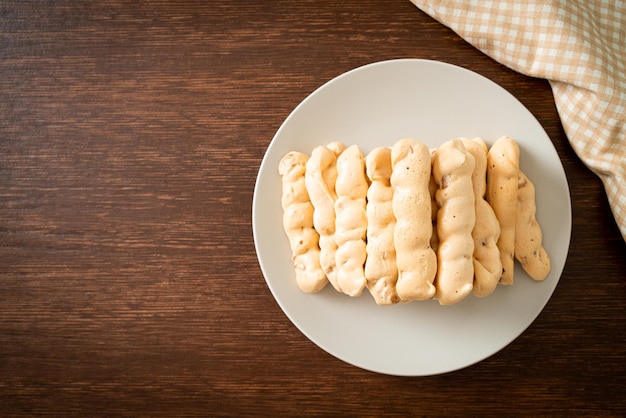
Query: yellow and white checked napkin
<point x="580" y="47"/>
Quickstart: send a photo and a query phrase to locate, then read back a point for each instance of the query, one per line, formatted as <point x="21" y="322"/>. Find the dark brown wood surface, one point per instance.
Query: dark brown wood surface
<point x="131" y="134"/>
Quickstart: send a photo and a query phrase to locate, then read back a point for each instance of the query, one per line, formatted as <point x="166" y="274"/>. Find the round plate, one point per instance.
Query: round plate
<point x="376" y="105"/>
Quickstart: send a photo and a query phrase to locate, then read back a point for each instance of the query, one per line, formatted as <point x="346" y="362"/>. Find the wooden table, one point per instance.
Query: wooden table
<point x="131" y="134"/>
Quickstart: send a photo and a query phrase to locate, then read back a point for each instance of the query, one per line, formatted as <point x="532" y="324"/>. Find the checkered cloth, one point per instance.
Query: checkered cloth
<point x="579" y="46"/>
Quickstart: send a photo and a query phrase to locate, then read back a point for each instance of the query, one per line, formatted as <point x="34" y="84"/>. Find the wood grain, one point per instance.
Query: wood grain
<point x="131" y="134"/>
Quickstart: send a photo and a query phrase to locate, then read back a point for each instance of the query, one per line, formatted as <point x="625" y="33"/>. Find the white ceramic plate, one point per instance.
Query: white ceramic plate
<point x="376" y="105"/>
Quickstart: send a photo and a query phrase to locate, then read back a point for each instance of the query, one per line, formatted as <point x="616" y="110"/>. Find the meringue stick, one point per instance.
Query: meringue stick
<point x="380" y="266"/>
<point x="298" y="223"/>
<point x="351" y="221"/>
<point x="502" y="178"/>
<point x="320" y="177"/>
<point x="487" y="263"/>
<point x="453" y="167"/>
<point x="415" y="259"/>
<point x="529" y="249"/>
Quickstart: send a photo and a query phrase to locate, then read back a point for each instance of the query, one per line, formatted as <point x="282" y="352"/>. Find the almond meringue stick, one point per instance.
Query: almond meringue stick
<point x="529" y="249"/>
<point x="320" y="178"/>
<point x="351" y="221"/>
<point x="487" y="263"/>
<point x="415" y="259"/>
<point x="298" y="223"/>
<point x="380" y="266"/>
<point x="502" y="179"/>
<point x="453" y="167"/>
